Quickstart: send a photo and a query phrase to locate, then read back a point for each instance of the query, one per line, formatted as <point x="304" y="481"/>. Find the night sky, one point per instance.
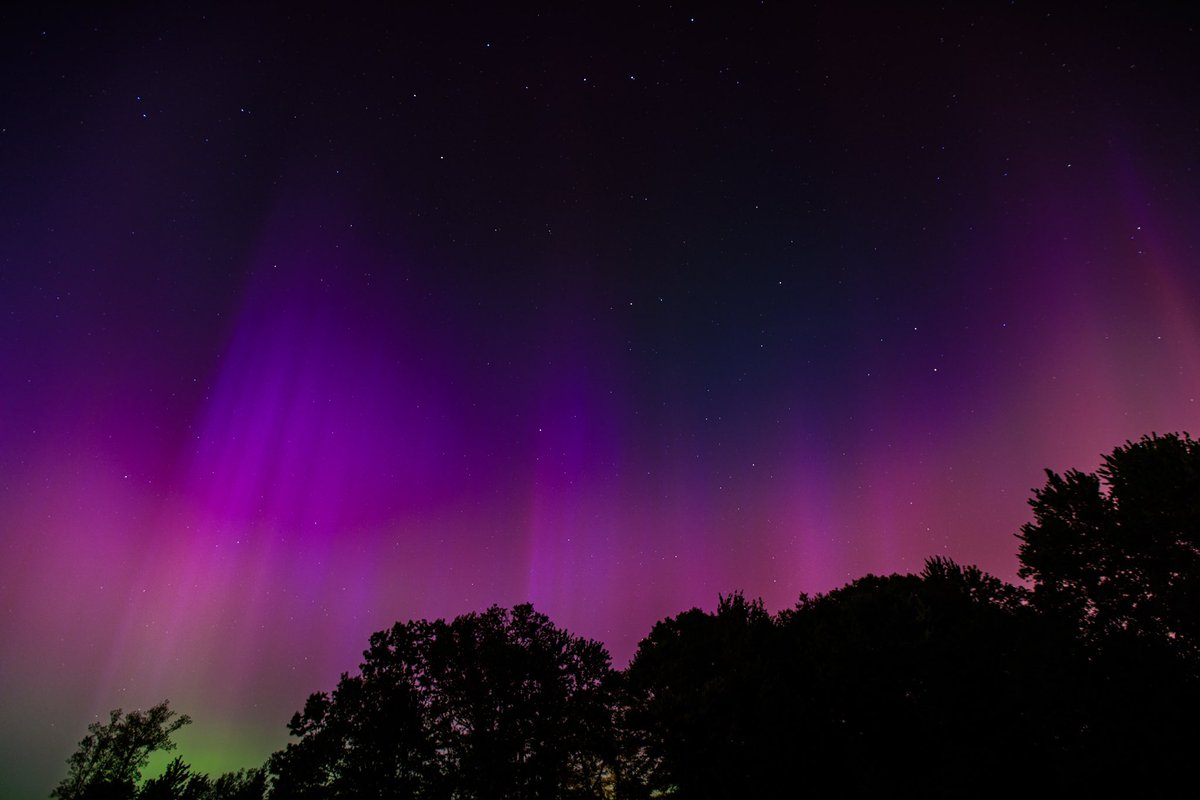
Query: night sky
<point x="315" y="321"/>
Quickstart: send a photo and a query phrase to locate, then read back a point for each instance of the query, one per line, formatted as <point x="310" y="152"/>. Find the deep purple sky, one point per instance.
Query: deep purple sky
<point x="310" y="322"/>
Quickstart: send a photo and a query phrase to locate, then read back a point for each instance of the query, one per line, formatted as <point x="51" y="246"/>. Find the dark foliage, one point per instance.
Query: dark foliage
<point x="849" y="692"/>
<point x="180" y="782"/>
<point x="948" y="668"/>
<point x="1115" y="554"/>
<point x="494" y="705"/>
<point x="697" y="701"/>
<point x="109" y="760"/>
<point x="1118" y="551"/>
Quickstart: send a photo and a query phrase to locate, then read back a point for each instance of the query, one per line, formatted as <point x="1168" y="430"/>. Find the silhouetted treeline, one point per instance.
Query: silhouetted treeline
<point x="946" y="683"/>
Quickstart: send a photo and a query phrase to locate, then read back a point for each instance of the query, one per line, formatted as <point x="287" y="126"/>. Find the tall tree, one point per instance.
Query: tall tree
<point x="108" y="762"/>
<point x="1115" y="554"/>
<point x="701" y="709"/>
<point x="495" y="705"/>
<point x="1117" y="551"/>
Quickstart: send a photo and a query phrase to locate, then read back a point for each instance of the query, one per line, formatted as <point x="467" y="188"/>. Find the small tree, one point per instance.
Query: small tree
<point x="108" y="762"/>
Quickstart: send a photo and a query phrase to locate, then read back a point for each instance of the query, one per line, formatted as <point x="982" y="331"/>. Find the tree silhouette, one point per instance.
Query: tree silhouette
<point x="494" y="705"/>
<point x="848" y="692"/>
<point x="245" y="784"/>
<point x="698" y="705"/>
<point x="109" y="760"/>
<point x="951" y="668"/>
<point x="1115" y="554"/>
<point x="179" y="782"/>
<point x="924" y="684"/>
<point x="1117" y="551"/>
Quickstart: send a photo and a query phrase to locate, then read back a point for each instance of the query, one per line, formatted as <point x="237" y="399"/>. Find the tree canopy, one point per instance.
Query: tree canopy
<point x="495" y="705"/>
<point x="1118" y="551"/>
<point x="109" y="760"/>
<point x="848" y="691"/>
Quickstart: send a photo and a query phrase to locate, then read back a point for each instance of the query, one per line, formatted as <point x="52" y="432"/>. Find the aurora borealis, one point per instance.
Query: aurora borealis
<point x="311" y="321"/>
